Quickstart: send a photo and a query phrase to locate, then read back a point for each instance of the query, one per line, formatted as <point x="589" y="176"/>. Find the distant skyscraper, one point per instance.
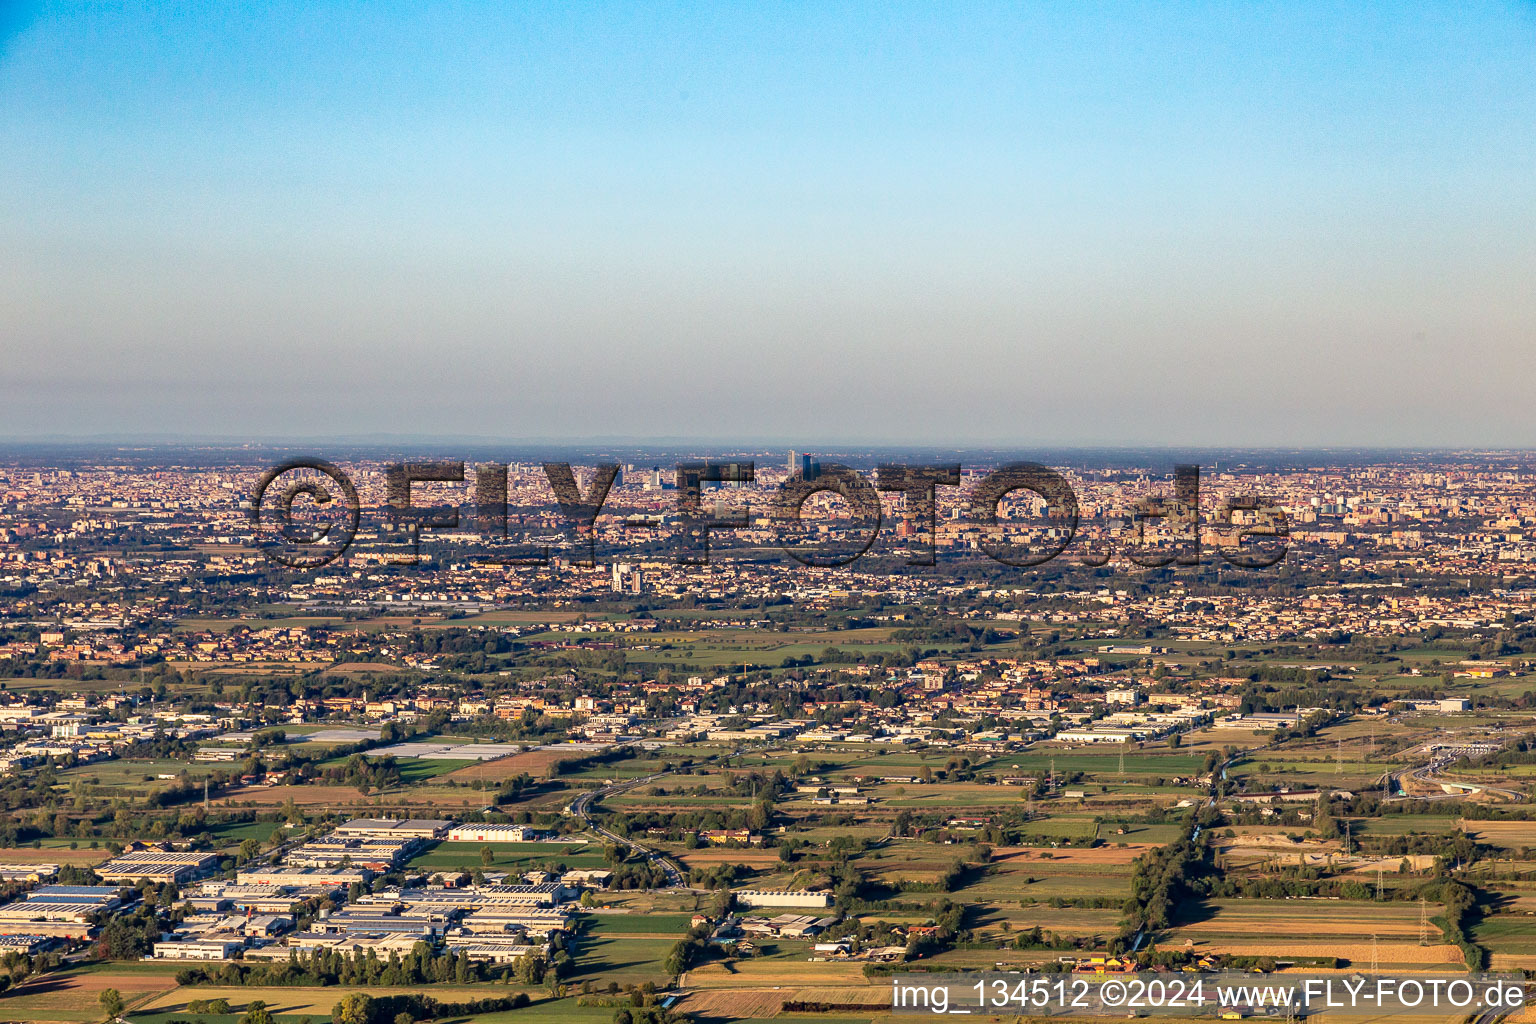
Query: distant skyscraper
<point x="626" y="578"/>
<point x="792" y="465"/>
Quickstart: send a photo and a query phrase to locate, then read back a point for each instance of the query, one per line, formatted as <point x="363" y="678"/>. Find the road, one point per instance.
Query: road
<point x="1426" y="775"/>
<point x="581" y="808"/>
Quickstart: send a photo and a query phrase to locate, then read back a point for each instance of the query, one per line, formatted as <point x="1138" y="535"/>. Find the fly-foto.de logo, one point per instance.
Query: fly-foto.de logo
<point x="307" y="513"/>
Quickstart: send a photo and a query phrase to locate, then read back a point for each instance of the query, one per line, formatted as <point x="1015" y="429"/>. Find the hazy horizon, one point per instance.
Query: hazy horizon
<point x="1309" y="226"/>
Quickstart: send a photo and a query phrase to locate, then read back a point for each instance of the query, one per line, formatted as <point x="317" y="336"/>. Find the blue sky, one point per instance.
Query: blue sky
<point x="1285" y="224"/>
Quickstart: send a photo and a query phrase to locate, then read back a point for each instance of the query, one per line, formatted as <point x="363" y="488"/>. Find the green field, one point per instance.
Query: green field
<point x="635" y="924"/>
<point x="234" y="833"/>
<point x="420" y="769"/>
<point x="621" y="958"/>
<point x="1506" y="933"/>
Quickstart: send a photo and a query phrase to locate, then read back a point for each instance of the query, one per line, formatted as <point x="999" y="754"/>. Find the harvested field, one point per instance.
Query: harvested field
<point x="1525" y="1015"/>
<point x="1240" y="919"/>
<point x="733" y="1005"/>
<point x="75" y="995"/>
<point x="347" y="797"/>
<point x="711" y="858"/>
<point x="1250" y="849"/>
<point x="51" y="855"/>
<point x="862" y="994"/>
<point x="1513" y="962"/>
<point x="1015" y="856"/>
<point x="1510" y="835"/>
<point x="743" y="1004"/>
<point x="770" y="971"/>
<point x="538" y="763"/>
<point x="303" y="796"/>
<point x="1358" y="954"/>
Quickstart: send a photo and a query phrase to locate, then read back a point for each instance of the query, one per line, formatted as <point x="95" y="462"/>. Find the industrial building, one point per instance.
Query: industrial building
<point x="778" y="898"/>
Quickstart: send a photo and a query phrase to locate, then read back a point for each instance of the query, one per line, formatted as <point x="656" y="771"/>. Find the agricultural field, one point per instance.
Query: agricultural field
<point x="537" y="763"/>
<point x="1315" y="928"/>
<point x="604" y="956"/>
<point x="1002" y="920"/>
<point x="129" y="779"/>
<point x="729" y="1004"/>
<point x="1508" y="836"/>
<point x="1413" y="824"/>
<point x="654" y="925"/>
<point x="1508" y="935"/>
<point x="421" y="769"/>
<point x="54" y="851"/>
<point x="235" y="833"/>
<point x="725" y="648"/>
<point x="1097" y="764"/>
<point x="1302" y="769"/>
<point x="1023" y="873"/>
<point x="73" y="995"/>
<point x="420" y="798"/>
<point x="783" y="963"/>
<point x="308" y="1001"/>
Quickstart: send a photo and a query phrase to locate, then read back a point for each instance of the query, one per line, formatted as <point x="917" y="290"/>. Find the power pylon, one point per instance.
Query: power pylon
<point x="1423" y="921"/>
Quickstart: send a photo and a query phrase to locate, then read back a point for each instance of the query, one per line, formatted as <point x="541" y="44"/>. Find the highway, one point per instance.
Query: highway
<point x="581" y="808"/>
<point x="1426" y="775"/>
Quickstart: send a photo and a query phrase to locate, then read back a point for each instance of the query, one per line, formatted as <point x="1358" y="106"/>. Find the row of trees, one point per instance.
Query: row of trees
<point x="423" y="965"/>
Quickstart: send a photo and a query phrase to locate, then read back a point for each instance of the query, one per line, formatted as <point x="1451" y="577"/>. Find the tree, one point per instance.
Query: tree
<point x="112" y="1002"/>
<point x="487" y="856"/>
<point x="126" y="938"/>
<point x="760" y="815"/>
<point x="256" y="1013"/>
<point x="354" y="1008"/>
<point x="529" y="969"/>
